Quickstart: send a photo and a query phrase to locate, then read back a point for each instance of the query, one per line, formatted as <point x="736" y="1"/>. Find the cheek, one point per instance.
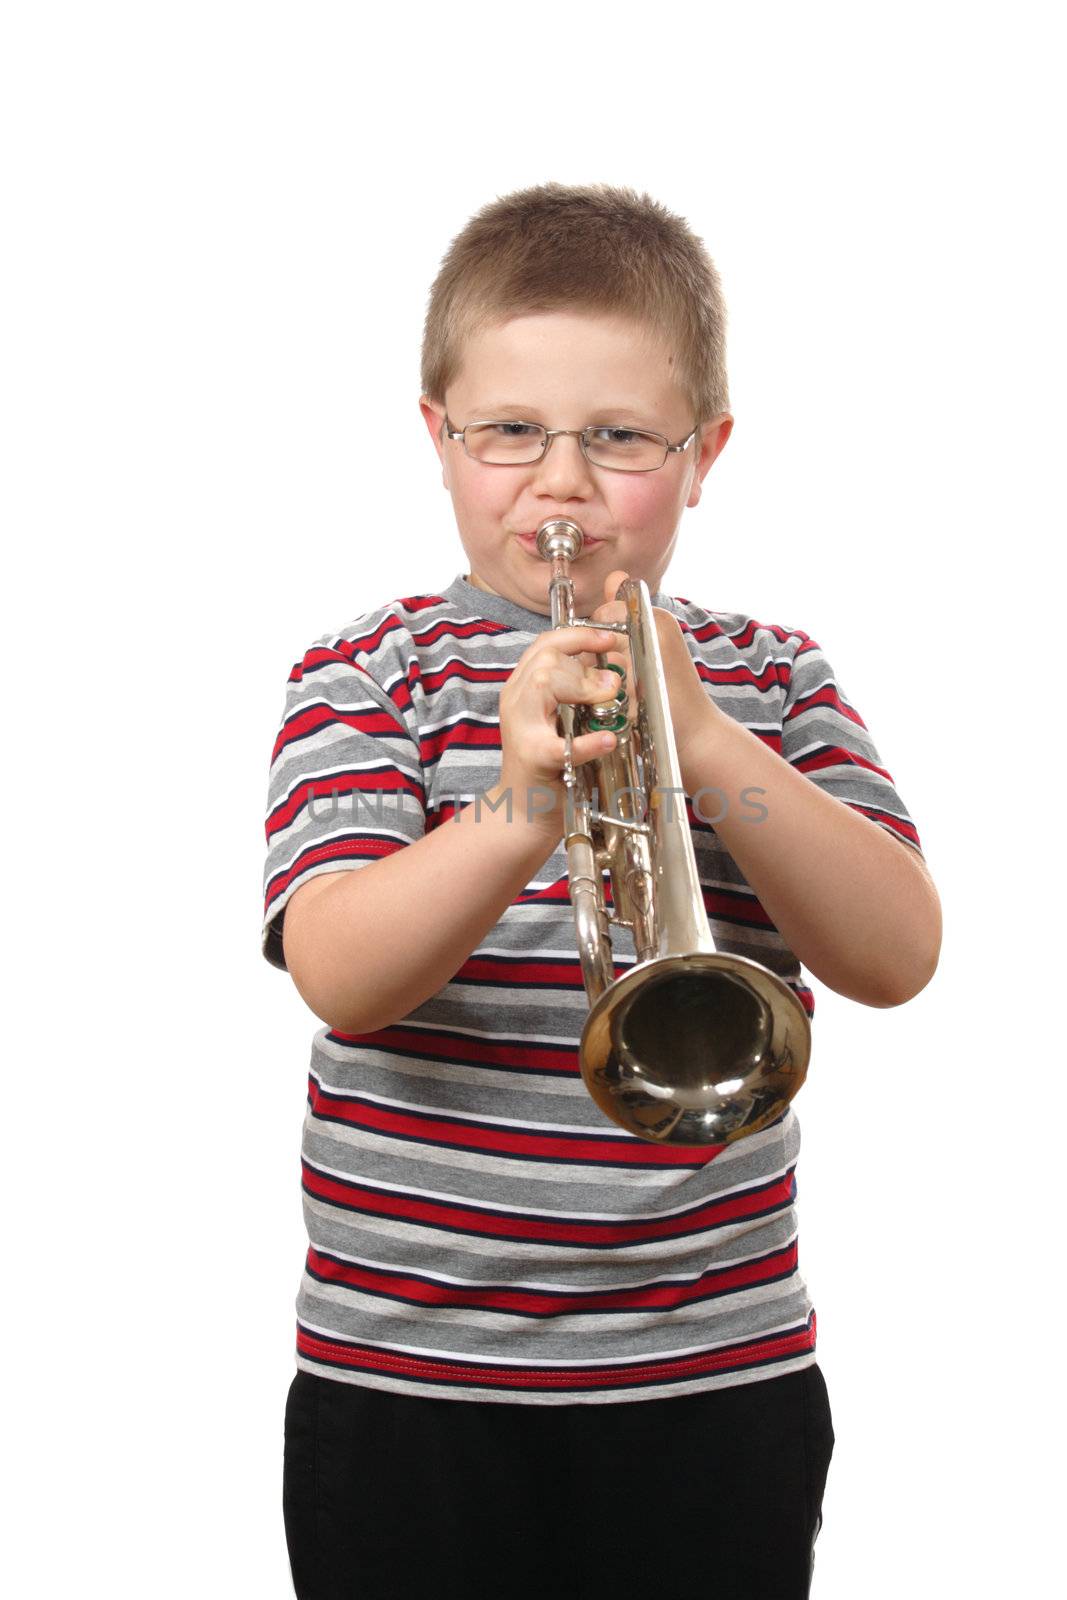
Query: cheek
<point x="490" y="494"/>
<point x="643" y="502"/>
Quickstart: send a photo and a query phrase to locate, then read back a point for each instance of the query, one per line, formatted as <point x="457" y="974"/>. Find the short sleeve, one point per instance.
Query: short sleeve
<point x="824" y="736"/>
<point x="345" y="786"/>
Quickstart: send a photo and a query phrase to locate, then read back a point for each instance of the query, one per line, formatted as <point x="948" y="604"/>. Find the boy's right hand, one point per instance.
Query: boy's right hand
<point x="558" y="668"/>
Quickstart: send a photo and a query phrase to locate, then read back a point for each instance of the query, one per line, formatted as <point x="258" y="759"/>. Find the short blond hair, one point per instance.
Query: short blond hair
<point x="594" y="248"/>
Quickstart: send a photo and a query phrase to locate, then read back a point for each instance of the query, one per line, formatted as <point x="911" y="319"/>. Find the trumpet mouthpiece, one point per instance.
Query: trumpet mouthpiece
<point x="559" y="536"/>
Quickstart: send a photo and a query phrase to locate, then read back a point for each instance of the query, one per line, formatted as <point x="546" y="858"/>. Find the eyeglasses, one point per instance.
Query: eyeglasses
<point x="520" y="444"/>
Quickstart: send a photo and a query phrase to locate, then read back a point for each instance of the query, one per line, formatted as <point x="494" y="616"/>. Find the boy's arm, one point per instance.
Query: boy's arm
<point x="365" y="948"/>
<point x="853" y="903"/>
<point x="856" y="905"/>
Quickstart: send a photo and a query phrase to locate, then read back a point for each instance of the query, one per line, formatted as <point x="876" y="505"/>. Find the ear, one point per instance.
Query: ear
<point x="433" y="415"/>
<point x="713" y="436"/>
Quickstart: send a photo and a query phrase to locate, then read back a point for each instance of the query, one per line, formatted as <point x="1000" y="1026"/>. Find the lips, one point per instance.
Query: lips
<point x="529" y="542"/>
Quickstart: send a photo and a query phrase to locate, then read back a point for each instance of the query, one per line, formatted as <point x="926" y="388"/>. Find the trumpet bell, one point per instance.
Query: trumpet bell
<point x="695" y="1049"/>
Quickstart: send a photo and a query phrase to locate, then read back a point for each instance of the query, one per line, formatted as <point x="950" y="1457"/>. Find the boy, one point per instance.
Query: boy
<point x="533" y="1350"/>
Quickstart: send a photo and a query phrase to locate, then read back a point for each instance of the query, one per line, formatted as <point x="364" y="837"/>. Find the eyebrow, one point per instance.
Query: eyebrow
<point x="498" y="410"/>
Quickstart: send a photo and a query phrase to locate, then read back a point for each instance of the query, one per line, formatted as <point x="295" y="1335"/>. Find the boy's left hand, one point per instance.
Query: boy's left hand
<point x="694" y="715"/>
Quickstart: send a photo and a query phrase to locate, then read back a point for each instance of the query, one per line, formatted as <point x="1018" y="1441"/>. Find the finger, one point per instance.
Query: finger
<point x="597" y="648"/>
<point x="588" y="746"/>
<point x="572" y="641"/>
<point x="594" y="686"/>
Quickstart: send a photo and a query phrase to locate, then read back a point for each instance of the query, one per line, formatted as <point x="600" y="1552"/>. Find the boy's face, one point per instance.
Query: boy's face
<point x="570" y="369"/>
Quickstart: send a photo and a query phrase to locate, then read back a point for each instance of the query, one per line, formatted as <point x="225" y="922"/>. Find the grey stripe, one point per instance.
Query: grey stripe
<point x="475" y="1335"/>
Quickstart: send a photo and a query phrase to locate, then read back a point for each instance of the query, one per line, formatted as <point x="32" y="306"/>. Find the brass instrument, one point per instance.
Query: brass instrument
<point x="688" y="1046"/>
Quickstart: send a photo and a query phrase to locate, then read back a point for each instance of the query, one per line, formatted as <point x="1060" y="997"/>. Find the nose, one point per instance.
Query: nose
<point x="563" y="473"/>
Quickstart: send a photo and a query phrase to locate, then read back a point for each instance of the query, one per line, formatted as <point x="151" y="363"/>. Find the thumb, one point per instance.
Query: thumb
<point x="612" y="582"/>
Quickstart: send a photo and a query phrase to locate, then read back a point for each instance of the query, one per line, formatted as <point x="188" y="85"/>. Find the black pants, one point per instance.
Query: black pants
<point x="715" y="1495"/>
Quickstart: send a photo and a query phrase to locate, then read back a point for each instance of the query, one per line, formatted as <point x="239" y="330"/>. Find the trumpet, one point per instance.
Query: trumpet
<point x="687" y="1046"/>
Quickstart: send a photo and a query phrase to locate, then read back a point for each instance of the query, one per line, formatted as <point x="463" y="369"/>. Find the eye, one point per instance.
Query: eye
<point x="619" y="437"/>
<point x="515" y="430"/>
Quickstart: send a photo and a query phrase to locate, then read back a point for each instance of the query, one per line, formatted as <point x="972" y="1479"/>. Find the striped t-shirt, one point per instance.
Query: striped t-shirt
<point x="477" y="1228"/>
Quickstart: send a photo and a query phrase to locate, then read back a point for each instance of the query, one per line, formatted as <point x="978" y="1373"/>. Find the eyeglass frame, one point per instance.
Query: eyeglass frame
<point x="566" y="433"/>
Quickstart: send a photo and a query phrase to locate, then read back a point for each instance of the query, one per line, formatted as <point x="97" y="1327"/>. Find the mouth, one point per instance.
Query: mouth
<point x="529" y="542"/>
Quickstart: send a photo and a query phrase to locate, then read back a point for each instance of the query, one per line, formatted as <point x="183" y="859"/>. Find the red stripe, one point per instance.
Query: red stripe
<point x="318" y="656"/>
<point x="744" y="637"/>
<point x="835" y="756"/>
<point x="707" y="630"/>
<point x="727" y="905"/>
<point x="445" y="629"/>
<point x="618" y="1376"/>
<point x="559" y="892"/>
<point x="428" y="1128"/>
<point x="384" y="779"/>
<point x="827" y="695"/>
<point x="765" y="680"/>
<point x="465" y="673"/>
<point x="464" y="732"/>
<point x="368" y="643"/>
<point x="560" y="972"/>
<point x="445" y="1047"/>
<point x="304" y="723"/>
<point x="565" y="1230"/>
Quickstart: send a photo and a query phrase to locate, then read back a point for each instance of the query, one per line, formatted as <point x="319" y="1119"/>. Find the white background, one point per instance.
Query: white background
<point x="222" y="223"/>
